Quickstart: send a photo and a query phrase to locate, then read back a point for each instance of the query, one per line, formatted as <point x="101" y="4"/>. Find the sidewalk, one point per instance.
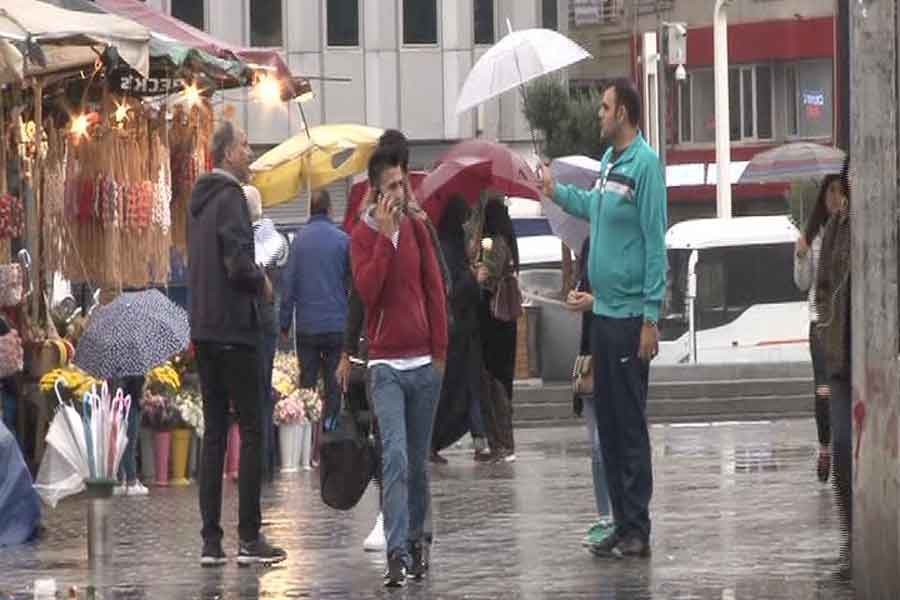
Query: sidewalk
<point x="738" y="514"/>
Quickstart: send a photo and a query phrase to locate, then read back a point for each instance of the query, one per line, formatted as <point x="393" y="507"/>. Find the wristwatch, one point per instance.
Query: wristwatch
<point x="650" y="322"/>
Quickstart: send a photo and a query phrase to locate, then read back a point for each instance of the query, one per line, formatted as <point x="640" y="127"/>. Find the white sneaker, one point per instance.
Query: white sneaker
<point x="375" y="542"/>
<point x="120" y="490"/>
<point x="137" y="489"/>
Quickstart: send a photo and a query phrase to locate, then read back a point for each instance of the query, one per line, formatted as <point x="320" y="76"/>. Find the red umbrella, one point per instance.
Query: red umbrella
<point x="464" y="175"/>
<point x="358" y="192"/>
<point x="510" y="174"/>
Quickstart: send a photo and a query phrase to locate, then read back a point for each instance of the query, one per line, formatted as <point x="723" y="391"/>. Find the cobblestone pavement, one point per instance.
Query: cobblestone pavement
<point x="738" y="514"/>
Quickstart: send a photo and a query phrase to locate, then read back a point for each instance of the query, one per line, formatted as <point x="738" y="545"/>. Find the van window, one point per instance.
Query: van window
<point x="732" y="279"/>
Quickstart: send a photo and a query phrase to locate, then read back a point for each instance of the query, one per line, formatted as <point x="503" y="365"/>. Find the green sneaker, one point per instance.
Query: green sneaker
<point x="598" y="532"/>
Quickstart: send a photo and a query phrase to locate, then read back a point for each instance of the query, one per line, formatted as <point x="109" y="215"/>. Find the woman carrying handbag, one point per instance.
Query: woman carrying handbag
<point x="581" y="300"/>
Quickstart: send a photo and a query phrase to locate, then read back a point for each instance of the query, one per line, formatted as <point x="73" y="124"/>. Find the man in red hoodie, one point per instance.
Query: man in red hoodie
<point x="398" y="278"/>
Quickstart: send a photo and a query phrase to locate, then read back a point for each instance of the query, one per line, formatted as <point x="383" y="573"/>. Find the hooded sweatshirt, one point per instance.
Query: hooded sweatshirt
<point x="224" y="280"/>
<point x="402" y="290"/>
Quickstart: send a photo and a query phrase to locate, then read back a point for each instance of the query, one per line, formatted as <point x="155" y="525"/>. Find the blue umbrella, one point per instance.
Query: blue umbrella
<point x="131" y="335"/>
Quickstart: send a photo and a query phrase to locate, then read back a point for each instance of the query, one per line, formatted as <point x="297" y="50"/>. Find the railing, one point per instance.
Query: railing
<point x="595" y="12"/>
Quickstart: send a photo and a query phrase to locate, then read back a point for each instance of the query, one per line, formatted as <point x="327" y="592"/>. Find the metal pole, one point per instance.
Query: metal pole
<point x="99" y="509"/>
<point x="692" y="301"/>
<point x="662" y="69"/>
<point x="723" y="122"/>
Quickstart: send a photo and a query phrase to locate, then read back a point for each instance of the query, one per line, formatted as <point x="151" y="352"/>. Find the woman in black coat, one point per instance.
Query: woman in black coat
<point x="459" y="409"/>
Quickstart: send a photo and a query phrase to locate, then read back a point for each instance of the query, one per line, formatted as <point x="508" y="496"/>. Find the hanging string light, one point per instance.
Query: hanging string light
<point x="268" y="90"/>
<point x="121" y="114"/>
<point x="192" y="94"/>
<point x="78" y="126"/>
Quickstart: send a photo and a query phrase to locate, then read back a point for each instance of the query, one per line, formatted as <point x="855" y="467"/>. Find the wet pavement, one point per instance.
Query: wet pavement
<point x="737" y="514"/>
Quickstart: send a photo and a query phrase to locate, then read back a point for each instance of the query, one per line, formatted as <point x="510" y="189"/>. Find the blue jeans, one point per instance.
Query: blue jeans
<point x="128" y="467"/>
<point x="601" y="488"/>
<point x="404" y="405"/>
<point x="620" y="404"/>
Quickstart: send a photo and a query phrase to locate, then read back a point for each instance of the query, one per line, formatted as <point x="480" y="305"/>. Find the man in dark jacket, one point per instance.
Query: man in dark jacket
<point x="226" y="286"/>
<point x="315" y="288"/>
<point x="398" y="277"/>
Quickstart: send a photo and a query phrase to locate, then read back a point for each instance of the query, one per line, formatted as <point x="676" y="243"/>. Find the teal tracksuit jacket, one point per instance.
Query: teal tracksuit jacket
<point x="627" y="213"/>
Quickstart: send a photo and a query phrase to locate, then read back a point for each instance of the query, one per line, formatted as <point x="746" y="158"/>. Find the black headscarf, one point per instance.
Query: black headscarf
<point x="456" y="213"/>
<point x="497" y="222"/>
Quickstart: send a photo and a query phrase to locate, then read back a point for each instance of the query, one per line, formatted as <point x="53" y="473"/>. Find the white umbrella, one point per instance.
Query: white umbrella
<point x="515" y="60"/>
<point x="580" y="171"/>
<point x="800" y="161"/>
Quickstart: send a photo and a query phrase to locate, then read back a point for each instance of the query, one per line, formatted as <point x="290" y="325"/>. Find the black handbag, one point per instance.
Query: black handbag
<point x="347" y="459"/>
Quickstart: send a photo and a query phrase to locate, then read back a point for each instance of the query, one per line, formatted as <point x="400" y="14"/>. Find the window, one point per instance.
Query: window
<point x="343" y="22"/>
<point x="484" y="21"/>
<point x="190" y="11"/>
<point x="764" y="125"/>
<point x="265" y="23"/>
<point x="420" y="22"/>
<point x="731" y="279"/>
<point x="749" y="104"/>
<point x="549" y="14"/>
<point x="790" y="90"/>
<point x="810" y="103"/>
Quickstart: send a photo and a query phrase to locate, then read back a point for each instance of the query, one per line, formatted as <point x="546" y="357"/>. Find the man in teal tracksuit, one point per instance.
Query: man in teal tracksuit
<point x="627" y="266"/>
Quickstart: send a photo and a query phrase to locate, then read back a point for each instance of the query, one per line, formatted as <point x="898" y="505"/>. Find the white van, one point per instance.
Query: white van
<point x="730" y="293"/>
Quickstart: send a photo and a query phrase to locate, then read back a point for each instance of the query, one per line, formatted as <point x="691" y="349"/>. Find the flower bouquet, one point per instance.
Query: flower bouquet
<point x="164" y="380"/>
<point x="290" y="409"/>
<point x="312" y="404"/>
<point x="190" y="410"/>
<point x="73" y="383"/>
<point x="158" y="411"/>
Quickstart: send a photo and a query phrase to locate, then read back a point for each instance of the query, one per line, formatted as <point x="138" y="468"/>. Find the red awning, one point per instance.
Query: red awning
<point x="161" y="23"/>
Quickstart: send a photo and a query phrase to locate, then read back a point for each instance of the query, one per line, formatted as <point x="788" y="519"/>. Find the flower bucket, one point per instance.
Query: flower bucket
<point x="162" y="442"/>
<point x="181" y="445"/>
<point x="233" y="453"/>
<point x="306" y="435"/>
<point x="289" y="438"/>
<point x="148" y="471"/>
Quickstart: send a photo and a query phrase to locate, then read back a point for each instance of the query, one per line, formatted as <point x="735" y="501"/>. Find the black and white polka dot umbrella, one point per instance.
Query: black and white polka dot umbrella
<point x="132" y="334"/>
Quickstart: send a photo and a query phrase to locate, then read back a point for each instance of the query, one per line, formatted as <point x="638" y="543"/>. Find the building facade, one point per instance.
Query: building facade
<point x="782" y="83"/>
<point x="390" y="64"/>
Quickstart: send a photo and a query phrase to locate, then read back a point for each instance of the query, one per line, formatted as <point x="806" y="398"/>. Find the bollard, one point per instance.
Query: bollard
<point x="99" y="532"/>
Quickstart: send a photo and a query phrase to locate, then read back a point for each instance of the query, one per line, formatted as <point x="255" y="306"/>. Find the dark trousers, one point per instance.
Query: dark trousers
<point x="230" y="373"/>
<point x="820" y="378"/>
<point x="318" y="353"/>
<point x="620" y="405"/>
<point x="267" y="359"/>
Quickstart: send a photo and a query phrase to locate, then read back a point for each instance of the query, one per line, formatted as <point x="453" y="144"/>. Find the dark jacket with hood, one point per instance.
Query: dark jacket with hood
<point x="224" y="280"/>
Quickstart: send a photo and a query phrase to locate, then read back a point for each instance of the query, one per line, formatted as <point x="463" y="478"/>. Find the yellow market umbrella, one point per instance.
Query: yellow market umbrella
<point x="313" y="160"/>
